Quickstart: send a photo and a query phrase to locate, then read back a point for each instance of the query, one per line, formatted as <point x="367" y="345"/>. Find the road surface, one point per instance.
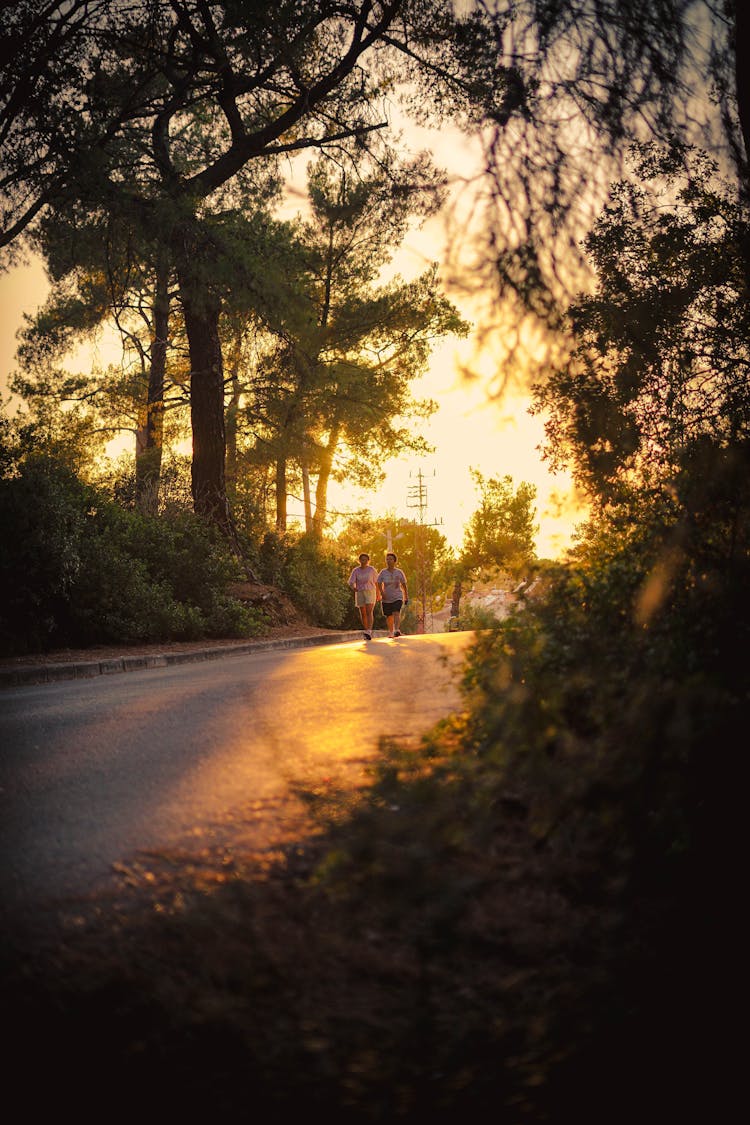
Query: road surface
<point x="198" y="756"/>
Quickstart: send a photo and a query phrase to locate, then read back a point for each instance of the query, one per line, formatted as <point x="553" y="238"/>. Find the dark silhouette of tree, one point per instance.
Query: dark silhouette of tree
<point x="661" y="347"/>
<point x="104" y="273"/>
<point x="159" y="107"/>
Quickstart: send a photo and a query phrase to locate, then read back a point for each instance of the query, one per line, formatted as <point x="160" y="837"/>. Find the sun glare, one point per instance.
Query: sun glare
<point x="482" y="420"/>
<point x="470" y="431"/>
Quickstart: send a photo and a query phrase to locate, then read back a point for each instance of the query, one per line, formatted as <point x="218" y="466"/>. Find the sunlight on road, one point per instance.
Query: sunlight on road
<point x="340" y="701"/>
<point x="202" y="761"/>
<point x="321" y="714"/>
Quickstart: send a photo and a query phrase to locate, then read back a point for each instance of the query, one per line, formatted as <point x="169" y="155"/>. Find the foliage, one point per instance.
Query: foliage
<point x="72" y="437"/>
<point x="316" y="581"/>
<point x="311" y="573"/>
<point x="604" y="701"/>
<point x="82" y="570"/>
<point x="331" y="398"/>
<point x="508" y="919"/>
<point x="604" y="75"/>
<point x="226" y="75"/>
<point x="662" y="346"/>
<point x="501" y="531"/>
<point x="366" y="532"/>
<point x="472" y="617"/>
<point x="107" y="277"/>
<point x="117" y="479"/>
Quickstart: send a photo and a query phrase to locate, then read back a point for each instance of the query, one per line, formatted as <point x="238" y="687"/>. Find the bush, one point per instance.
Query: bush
<point x="531" y="916"/>
<point x="311" y="574"/>
<point x="577" y="826"/>
<point x="472" y="617"/>
<point x="82" y="570"/>
<point x="43" y="510"/>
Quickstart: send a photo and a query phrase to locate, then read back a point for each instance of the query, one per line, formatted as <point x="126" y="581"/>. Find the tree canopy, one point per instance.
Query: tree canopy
<point x="660" y="357"/>
<point x="501" y="531"/>
<point x="161" y="109"/>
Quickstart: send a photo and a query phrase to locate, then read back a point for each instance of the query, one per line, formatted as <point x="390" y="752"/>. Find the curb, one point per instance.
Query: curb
<point x="84" y="670"/>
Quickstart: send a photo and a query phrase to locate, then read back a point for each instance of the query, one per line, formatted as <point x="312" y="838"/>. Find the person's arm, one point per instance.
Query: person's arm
<point x="352" y="583"/>
<point x="405" y="588"/>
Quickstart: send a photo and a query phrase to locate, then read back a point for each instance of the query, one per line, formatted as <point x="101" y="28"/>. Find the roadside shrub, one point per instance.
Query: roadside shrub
<point x="272" y="557"/>
<point x="472" y="617"/>
<point x="42" y="512"/>
<point x="182" y="551"/>
<point x="314" y="580"/>
<point x="311" y="574"/>
<point x="227" y="617"/>
<point x="80" y="569"/>
<point x="117" y="479"/>
<point x="579" y="822"/>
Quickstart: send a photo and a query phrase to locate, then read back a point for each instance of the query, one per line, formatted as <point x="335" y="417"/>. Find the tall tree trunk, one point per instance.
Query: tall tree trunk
<point x="201" y="308"/>
<point x="307" y="499"/>
<point x="456" y="598"/>
<point x="150" y="438"/>
<point x="742" y="77"/>
<point x="281" y="495"/>
<point x="201" y="313"/>
<point x="287" y="441"/>
<point x="742" y="85"/>
<point x="327" y="454"/>
<point x="231" y="436"/>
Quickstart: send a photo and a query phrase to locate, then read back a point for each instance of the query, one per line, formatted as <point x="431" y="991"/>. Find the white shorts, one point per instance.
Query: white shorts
<point x="364" y="597"/>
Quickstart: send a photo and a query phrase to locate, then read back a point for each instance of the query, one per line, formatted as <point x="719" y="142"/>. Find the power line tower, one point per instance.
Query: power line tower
<point x="417" y="498"/>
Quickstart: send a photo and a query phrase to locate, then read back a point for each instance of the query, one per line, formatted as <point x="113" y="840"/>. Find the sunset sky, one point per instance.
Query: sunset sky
<point x="469" y="430"/>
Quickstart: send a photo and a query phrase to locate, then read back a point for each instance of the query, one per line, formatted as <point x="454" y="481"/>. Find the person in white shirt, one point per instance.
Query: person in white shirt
<point x="393" y="590"/>
<point x="363" y="580"/>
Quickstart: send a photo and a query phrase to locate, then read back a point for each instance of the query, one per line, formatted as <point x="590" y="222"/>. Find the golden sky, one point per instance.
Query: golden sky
<point x="470" y="429"/>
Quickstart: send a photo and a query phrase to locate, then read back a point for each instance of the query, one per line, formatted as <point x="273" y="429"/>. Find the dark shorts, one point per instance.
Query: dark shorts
<point x="389" y="608"/>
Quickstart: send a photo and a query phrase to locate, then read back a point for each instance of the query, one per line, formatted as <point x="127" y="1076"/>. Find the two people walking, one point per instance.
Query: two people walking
<point x="387" y="587"/>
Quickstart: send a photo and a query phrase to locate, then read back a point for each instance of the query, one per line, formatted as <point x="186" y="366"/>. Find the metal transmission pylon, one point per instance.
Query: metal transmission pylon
<point x="417" y="498"/>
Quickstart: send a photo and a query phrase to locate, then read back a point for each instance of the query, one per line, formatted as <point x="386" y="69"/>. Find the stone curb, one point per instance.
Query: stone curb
<point x="83" y="670"/>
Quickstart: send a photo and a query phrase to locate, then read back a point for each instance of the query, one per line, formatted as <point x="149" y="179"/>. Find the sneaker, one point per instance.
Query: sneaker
<point x="368" y="636"/>
<point x="397" y="633"/>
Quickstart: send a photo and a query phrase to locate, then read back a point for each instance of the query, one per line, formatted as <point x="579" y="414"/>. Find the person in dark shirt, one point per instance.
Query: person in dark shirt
<point x="393" y="591"/>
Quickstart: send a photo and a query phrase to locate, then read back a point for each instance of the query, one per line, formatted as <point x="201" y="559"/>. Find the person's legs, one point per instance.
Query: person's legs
<point x="366" y="613"/>
<point x="389" y="621"/>
<point x="397" y="623"/>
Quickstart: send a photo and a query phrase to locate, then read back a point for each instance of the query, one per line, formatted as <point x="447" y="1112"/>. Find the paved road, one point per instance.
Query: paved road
<point x="201" y="755"/>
